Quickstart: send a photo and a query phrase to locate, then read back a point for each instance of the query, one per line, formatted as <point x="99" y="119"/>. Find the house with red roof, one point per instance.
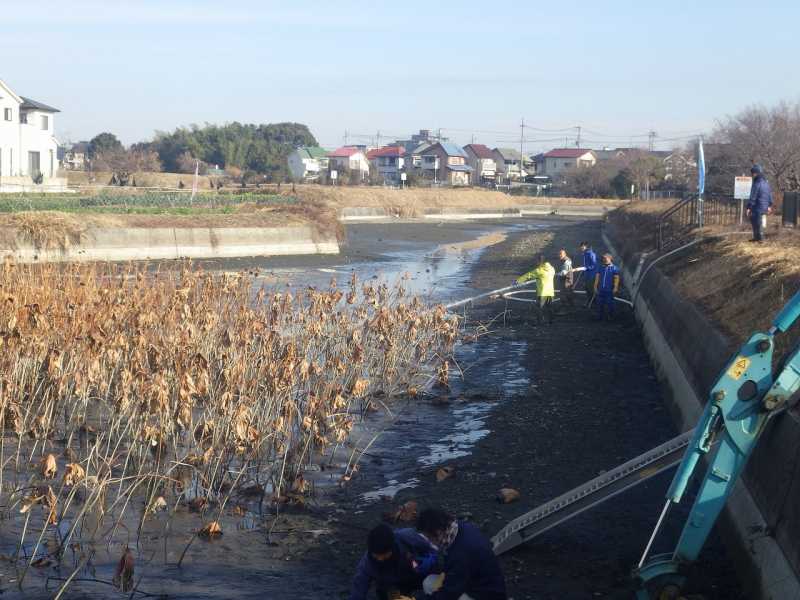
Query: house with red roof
<point x="481" y="159"/>
<point x="350" y="160"/>
<point x="388" y="162"/>
<point x="559" y="160"/>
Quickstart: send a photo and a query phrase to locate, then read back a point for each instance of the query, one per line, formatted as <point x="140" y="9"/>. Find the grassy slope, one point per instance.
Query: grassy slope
<point x="739" y="285"/>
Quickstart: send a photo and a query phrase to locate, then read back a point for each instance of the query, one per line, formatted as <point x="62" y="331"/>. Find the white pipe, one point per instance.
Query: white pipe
<point x="486" y="295"/>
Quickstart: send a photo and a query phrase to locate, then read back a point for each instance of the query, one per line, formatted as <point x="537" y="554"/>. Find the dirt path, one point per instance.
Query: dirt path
<point x="592" y="402"/>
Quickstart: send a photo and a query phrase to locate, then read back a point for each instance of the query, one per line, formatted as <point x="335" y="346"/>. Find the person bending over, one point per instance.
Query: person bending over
<point x="470" y="568"/>
<point x="395" y="561"/>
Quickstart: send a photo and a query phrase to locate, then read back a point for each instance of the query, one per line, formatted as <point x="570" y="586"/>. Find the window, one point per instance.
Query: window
<point x="7" y="114"/>
<point x="45" y="123"/>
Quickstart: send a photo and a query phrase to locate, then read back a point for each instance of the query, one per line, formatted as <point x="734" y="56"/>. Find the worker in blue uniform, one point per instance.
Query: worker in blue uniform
<point x="589" y="271"/>
<point x="760" y="203"/>
<point x="606" y="286"/>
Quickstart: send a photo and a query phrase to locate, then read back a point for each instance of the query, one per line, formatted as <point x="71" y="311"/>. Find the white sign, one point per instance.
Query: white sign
<point x="334" y="174"/>
<point x="402" y="176"/>
<point x="741" y="188"/>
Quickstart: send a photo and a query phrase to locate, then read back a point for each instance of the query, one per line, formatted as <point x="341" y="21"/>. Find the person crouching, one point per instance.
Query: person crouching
<point x="395" y="561"/>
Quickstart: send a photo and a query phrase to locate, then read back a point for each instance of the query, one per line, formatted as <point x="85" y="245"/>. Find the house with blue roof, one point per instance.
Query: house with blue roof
<point x="446" y="164"/>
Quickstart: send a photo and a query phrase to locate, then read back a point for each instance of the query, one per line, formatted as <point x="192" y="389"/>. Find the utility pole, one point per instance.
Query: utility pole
<point x="578" y="140"/>
<point x="345" y="137"/>
<point x="651" y="137"/>
<point x="378" y="139"/>
<point x="521" y="141"/>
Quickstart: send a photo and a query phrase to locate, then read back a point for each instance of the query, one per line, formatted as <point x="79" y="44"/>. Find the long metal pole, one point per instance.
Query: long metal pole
<point x="655" y="533"/>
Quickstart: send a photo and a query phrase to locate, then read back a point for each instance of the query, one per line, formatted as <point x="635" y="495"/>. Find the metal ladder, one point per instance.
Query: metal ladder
<point x="591" y="493"/>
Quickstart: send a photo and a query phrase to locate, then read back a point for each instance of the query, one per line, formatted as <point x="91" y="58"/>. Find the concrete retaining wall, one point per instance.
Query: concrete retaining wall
<point x="19" y="185"/>
<point x="465" y="214"/>
<point x="124" y="244"/>
<point x="761" y="523"/>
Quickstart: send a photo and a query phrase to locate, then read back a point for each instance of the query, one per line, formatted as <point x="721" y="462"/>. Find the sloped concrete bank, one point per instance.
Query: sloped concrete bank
<point x="158" y="243"/>
<point x="371" y="213"/>
<point x="761" y="522"/>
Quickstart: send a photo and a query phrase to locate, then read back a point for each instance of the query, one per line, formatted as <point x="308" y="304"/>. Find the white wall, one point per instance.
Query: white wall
<point x="35" y="139"/>
<point x="9" y="134"/>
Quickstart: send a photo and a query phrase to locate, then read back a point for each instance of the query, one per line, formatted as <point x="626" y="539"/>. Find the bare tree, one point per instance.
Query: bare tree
<point x="123" y="163"/>
<point x="769" y="136"/>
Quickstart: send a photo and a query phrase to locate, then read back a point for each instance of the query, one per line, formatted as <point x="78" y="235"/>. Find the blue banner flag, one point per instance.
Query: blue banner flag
<point x="701" y="168"/>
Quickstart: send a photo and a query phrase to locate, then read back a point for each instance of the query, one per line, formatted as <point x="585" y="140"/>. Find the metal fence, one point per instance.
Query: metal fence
<point x="692" y="212"/>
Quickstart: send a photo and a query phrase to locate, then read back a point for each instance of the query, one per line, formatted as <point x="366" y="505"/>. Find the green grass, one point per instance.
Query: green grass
<point x="145" y="203"/>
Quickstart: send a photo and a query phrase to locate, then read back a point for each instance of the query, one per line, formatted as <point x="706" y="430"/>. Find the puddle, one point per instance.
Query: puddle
<point x="390" y="490"/>
<point x="469" y="428"/>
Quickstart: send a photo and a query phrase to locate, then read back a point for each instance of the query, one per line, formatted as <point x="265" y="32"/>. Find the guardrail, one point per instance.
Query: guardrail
<point x="690" y="212"/>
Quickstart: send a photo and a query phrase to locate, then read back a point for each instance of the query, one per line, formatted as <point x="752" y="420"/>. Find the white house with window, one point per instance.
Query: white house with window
<point x="28" y="148"/>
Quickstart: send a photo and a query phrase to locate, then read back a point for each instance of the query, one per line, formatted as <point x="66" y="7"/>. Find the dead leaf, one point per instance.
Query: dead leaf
<point x="73" y="473"/>
<point x="508" y="495"/>
<point x="123" y="576"/>
<point x="444" y="473"/>
<point x="48" y="467"/>
<point x="158" y="504"/>
<point x="211" y="530"/>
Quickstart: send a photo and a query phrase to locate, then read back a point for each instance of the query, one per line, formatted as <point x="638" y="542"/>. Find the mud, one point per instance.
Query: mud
<point x="537" y="408"/>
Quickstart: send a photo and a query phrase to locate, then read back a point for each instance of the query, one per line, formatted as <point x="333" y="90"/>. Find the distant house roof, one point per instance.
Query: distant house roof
<point x="462" y="168"/>
<point x="386" y="151"/>
<point x="344" y="152"/>
<point x="566" y="153"/>
<point x="508" y="153"/>
<point x="80" y="148"/>
<point x="311" y="152"/>
<point x="452" y="149"/>
<point x="479" y="150"/>
<point x="421" y="148"/>
<point x="29" y="104"/>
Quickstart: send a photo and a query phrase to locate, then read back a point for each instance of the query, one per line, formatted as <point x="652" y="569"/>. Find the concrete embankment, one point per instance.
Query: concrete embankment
<point x="158" y="243"/>
<point x="761" y="523"/>
<point x="373" y="213"/>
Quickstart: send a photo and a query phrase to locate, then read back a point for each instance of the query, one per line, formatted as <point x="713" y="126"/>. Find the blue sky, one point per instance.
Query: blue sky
<point x="617" y="68"/>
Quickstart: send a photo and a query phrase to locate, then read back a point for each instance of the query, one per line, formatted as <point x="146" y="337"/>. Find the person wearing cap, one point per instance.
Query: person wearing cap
<point x="760" y="203"/>
<point x="606" y="286"/>
<point x="395" y="561"/>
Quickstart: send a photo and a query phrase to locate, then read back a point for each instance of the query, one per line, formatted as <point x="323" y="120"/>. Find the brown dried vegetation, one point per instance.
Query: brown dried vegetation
<point x="166" y="390"/>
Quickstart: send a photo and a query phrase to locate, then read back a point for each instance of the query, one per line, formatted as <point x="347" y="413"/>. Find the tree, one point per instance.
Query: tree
<point x="103" y="142"/>
<point x="769" y="136"/>
<point x="644" y="169"/>
<point x="123" y="163"/>
<point x="187" y="164"/>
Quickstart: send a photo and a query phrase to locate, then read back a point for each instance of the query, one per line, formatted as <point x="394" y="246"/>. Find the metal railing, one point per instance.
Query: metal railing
<point x="689" y="213"/>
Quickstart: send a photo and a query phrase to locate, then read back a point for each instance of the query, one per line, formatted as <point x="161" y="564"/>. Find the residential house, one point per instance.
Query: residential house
<point x="481" y="159"/>
<point x="423" y="137"/>
<point x="679" y="168"/>
<point x="447" y="163"/>
<point x="28" y="148"/>
<point x="509" y="163"/>
<point x="306" y="162"/>
<point x="76" y="157"/>
<point x="349" y="159"/>
<point x="559" y="160"/>
<point x="413" y="157"/>
<point x="388" y="162"/>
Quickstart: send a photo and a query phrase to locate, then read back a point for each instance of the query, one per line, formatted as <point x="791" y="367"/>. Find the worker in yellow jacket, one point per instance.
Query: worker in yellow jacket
<point x="544" y="274"/>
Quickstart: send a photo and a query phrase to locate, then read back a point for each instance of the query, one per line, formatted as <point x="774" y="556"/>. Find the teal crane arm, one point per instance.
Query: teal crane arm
<point x="745" y="396"/>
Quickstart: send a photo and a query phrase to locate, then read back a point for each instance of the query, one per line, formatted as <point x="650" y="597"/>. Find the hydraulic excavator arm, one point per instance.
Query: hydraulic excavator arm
<point x="746" y="395"/>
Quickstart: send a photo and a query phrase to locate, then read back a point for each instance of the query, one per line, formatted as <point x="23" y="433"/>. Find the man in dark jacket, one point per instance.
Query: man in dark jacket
<point x="470" y="565"/>
<point x="396" y="561"/>
<point x="760" y="204"/>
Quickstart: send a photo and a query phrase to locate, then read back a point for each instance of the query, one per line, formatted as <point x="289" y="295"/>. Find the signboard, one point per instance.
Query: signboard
<point x="741" y="188"/>
<point x="402" y="176"/>
<point x="334" y="174"/>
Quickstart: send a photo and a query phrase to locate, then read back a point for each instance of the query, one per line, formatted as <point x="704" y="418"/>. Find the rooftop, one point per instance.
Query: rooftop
<point x="344" y="151"/>
<point x="508" y="153"/>
<point x="566" y="152"/>
<point x="452" y="149"/>
<point x="386" y="151"/>
<point x="29" y="104"/>
<point x="479" y="150"/>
